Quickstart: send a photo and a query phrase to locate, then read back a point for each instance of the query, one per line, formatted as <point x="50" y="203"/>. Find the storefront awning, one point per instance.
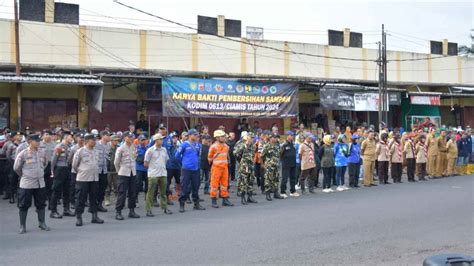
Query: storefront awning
<point x="49" y="78"/>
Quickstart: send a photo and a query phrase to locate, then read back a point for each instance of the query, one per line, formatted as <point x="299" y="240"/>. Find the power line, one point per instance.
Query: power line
<point x="238" y="41"/>
<point x="268" y="47"/>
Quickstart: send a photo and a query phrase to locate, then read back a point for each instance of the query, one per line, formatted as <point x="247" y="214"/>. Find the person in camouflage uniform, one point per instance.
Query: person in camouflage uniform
<point x="244" y="153"/>
<point x="271" y="159"/>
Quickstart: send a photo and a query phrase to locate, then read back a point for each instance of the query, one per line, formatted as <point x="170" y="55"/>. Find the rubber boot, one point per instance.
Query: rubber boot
<point x="214" y="203"/>
<point x="269" y="196"/>
<point x="96" y="219"/>
<point x="198" y="206"/>
<point x="181" y="206"/>
<point x="23" y="215"/>
<point x="41" y="219"/>
<point x="250" y="198"/>
<point x="178" y="189"/>
<point x="132" y="214"/>
<point x="79" y="219"/>
<point x="242" y="198"/>
<point x="226" y="202"/>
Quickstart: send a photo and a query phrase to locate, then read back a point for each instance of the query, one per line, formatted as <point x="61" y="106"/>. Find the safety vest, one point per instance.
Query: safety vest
<point x="219" y="154"/>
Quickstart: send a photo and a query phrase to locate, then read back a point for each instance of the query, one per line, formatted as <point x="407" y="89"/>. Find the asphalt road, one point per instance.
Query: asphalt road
<point x="386" y="225"/>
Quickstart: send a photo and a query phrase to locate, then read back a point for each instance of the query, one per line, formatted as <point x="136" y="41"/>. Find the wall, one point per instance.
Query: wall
<point x="90" y="46"/>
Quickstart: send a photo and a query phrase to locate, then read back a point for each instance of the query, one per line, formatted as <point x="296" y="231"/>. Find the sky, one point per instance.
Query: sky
<point x="410" y="24"/>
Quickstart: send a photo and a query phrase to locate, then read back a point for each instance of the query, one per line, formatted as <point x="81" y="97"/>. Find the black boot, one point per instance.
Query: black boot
<point x="198" y="206"/>
<point x="214" y="203"/>
<point x="242" y="198"/>
<point x="6" y="196"/>
<point x="269" y="196"/>
<point x="12" y="199"/>
<point x="250" y="198"/>
<point x="132" y="214"/>
<point x="277" y="195"/>
<point x="23" y="215"/>
<point x="41" y="219"/>
<point x="96" y="219"/>
<point x="79" y="219"/>
<point x="118" y="216"/>
<point x="226" y="202"/>
<point x="181" y="206"/>
<point x="101" y="208"/>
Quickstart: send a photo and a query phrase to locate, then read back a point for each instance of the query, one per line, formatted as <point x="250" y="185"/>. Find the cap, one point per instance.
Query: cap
<point x="243" y="134"/>
<point x="115" y="137"/>
<point x="173" y="134"/>
<point x="307" y="135"/>
<point x="142" y="137"/>
<point x="89" y="136"/>
<point x="66" y="132"/>
<point x="128" y="134"/>
<point x="95" y="131"/>
<point x="355" y="136"/>
<point x="290" y="133"/>
<point x="158" y="136"/>
<point x="184" y="134"/>
<point x="47" y="131"/>
<point x="219" y="133"/>
<point x="266" y="132"/>
<point x="34" y="137"/>
<point x="192" y="131"/>
<point x="79" y="135"/>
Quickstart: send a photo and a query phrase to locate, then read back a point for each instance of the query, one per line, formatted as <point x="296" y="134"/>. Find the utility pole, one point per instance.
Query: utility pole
<point x="383" y="94"/>
<point x="384" y="63"/>
<point x="17" y="64"/>
<point x="379" y="63"/>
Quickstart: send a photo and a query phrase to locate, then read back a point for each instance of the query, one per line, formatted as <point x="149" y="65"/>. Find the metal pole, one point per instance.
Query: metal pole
<point x="385" y="97"/>
<point x="17" y="64"/>
<point x="379" y="61"/>
<point x="254" y="60"/>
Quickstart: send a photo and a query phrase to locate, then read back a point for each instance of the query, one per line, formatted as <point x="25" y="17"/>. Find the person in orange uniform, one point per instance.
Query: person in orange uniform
<point x="219" y="160"/>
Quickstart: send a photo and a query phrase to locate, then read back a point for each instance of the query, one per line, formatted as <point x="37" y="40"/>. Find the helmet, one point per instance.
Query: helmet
<point x="219" y="133"/>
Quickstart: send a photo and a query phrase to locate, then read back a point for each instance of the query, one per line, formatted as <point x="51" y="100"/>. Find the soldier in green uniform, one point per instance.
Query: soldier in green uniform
<point x="244" y="153"/>
<point x="271" y="159"/>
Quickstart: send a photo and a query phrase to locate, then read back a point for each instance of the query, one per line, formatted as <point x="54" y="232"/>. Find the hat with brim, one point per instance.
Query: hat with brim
<point x="158" y="136"/>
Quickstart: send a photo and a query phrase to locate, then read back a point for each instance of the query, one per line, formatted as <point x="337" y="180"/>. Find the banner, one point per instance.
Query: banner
<point x="422" y="122"/>
<point x="425" y="100"/>
<point x="228" y="98"/>
<point x="336" y="99"/>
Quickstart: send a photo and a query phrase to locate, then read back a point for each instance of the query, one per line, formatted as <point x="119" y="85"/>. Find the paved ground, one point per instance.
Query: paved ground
<point x="386" y="225"/>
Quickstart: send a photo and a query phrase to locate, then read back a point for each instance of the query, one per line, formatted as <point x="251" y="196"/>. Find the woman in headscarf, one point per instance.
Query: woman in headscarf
<point x="326" y="154"/>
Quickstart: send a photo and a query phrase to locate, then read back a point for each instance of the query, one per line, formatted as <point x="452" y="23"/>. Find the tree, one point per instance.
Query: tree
<point x="466" y="50"/>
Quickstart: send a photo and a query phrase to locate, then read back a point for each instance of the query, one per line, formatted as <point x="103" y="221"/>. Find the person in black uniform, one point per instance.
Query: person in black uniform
<point x="288" y="162"/>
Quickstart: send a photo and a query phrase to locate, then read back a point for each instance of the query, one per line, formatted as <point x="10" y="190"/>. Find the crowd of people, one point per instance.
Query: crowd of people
<point x="79" y="168"/>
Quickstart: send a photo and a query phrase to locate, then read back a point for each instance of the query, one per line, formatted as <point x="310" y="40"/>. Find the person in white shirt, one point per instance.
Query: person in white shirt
<point x="155" y="161"/>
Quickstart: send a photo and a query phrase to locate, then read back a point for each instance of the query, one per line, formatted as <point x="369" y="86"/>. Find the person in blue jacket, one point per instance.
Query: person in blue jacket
<point x="189" y="153"/>
<point x="142" y="180"/>
<point x="173" y="167"/>
<point x="341" y="153"/>
<point x="354" y="161"/>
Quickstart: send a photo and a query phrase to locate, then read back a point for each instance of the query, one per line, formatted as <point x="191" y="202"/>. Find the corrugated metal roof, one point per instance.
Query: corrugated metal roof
<point x="68" y="79"/>
<point x="347" y="86"/>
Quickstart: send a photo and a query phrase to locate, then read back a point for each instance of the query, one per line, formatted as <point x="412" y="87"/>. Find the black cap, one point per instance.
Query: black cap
<point x="128" y="134"/>
<point x="89" y="136"/>
<point x="66" y="132"/>
<point x="275" y="135"/>
<point x="47" y="131"/>
<point x="34" y="137"/>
